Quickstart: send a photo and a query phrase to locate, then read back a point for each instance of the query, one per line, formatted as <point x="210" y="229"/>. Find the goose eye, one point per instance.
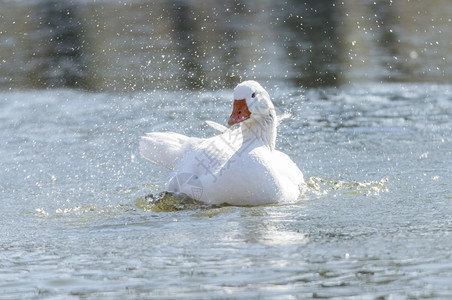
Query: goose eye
<point x="253" y="95"/>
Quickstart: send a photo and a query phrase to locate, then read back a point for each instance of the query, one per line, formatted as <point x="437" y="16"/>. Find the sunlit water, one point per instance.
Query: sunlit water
<point x="77" y="220"/>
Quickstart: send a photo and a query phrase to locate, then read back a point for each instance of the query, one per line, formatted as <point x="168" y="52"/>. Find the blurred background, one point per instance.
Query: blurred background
<point x="195" y="44"/>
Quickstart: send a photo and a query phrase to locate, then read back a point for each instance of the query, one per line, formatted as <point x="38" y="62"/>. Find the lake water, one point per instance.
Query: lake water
<point x="374" y="223"/>
<point x="373" y="140"/>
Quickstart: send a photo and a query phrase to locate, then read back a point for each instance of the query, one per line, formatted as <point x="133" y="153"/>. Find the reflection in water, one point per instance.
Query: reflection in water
<point x="193" y="44"/>
<point x="312" y="43"/>
<point x="187" y="42"/>
<point x="56" y="56"/>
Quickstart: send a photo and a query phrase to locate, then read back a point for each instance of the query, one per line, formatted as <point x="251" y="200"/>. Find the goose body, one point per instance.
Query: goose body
<point x="238" y="167"/>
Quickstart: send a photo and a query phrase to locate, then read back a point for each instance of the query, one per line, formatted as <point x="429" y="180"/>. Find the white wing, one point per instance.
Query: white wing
<point x="217" y="126"/>
<point x="166" y="148"/>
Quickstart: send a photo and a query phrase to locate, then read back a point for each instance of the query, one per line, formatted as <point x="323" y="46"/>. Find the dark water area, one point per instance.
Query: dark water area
<point x="368" y="86"/>
<point x="142" y="45"/>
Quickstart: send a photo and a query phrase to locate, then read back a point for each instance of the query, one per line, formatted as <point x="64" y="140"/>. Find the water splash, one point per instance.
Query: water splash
<point x="317" y="186"/>
<point x="322" y="186"/>
<point x="80" y="214"/>
<point x="168" y="202"/>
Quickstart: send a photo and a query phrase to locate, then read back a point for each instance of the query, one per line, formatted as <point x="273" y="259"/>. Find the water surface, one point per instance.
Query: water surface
<point x="374" y="223"/>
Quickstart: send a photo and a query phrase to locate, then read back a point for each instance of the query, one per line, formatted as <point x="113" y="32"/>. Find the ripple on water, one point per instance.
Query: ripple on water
<point x="374" y="222"/>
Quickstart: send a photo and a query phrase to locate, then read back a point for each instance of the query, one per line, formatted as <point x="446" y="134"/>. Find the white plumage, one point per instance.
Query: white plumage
<point x="240" y="166"/>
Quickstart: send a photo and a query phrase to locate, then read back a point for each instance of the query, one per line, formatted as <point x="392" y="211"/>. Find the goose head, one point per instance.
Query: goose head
<point x="251" y="104"/>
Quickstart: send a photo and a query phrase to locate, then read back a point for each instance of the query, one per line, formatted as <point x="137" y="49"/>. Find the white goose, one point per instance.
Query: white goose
<point x="238" y="167"/>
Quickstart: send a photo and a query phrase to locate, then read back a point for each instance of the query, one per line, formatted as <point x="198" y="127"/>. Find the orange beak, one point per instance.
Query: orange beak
<point x="240" y="112"/>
